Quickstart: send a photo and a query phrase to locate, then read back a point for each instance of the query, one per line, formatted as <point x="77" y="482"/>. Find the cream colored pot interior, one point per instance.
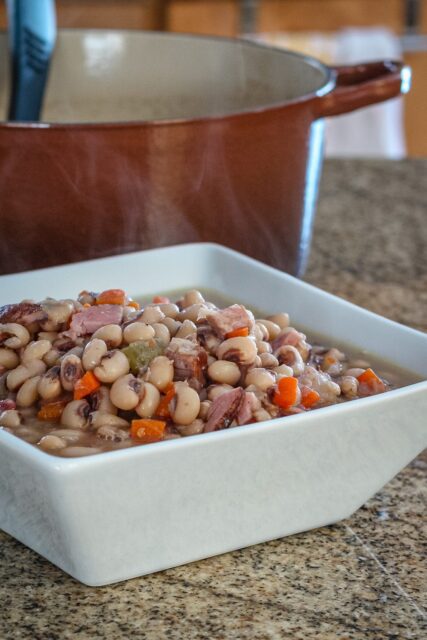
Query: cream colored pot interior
<point x="103" y="76"/>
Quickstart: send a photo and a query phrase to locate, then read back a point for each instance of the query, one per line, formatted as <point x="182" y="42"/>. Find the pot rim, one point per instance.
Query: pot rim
<point x="327" y="87"/>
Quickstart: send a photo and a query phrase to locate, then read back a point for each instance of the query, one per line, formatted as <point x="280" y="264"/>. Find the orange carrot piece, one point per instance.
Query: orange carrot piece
<point x="51" y="411"/>
<point x="111" y="296"/>
<point x="163" y="407"/>
<point x="86" y="305"/>
<point x="134" y="304"/>
<point x="86" y="385"/>
<point x="310" y="397"/>
<point x="369" y="377"/>
<point x="370" y="383"/>
<point x="161" y="300"/>
<point x="147" y="430"/>
<point x="241" y="332"/>
<point x="287" y="393"/>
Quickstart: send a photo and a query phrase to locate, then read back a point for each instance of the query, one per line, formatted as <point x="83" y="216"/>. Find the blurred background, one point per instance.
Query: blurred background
<point x="336" y="31"/>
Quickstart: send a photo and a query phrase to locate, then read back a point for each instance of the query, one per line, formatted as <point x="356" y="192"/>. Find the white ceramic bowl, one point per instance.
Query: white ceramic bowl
<point x="126" y="513"/>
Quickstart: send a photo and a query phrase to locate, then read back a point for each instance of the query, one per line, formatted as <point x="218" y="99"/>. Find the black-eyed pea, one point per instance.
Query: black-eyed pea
<point x="191" y="429"/>
<point x="216" y="390"/>
<point x="28" y="393"/>
<point x="16" y="377"/>
<point x="193" y="312"/>
<point x="49" y="386"/>
<point x="172" y="324"/>
<point x="263" y="347"/>
<point x="204" y="409"/>
<point x="125" y="392"/>
<point x="113" y="365"/>
<point x="99" y="419"/>
<point x="160" y="372"/>
<point x="52" y="357"/>
<point x="51" y="443"/>
<point x="58" y="313"/>
<point x="151" y="314"/>
<point x="19" y="336"/>
<point x="9" y="359"/>
<point x="69" y="435"/>
<point x="187" y="328"/>
<point x="35" y="350"/>
<point x="100" y="400"/>
<point x="185" y="405"/>
<point x="354" y="371"/>
<point x="170" y="309"/>
<point x="260" y="332"/>
<point x="268" y="361"/>
<point x="150" y="398"/>
<point x="349" y="386"/>
<point x="281" y="319"/>
<point x="111" y="334"/>
<point x="192" y="297"/>
<point x="289" y="355"/>
<point x="254" y="400"/>
<point x="138" y="331"/>
<point x="241" y="350"/>
<point x="261" y="414"/>
<point x="224" y="372"/>
<point x="283" y="371"/>
<point x="48" y="335"/>
<point x="10" y="419"/>
<point x="71" y="371"/>
<point x="257" y="362"/>
<point x="76" y="414"/>
<point x="273" y="329"/>
<point x="93" y="353"/>
<point x="261" y="378"/>
<point x="211" y="360"/>
<point x="161" y="332"/>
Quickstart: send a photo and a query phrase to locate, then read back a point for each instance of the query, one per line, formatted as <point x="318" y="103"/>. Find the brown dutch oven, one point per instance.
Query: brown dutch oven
<point x="155" y="139"/>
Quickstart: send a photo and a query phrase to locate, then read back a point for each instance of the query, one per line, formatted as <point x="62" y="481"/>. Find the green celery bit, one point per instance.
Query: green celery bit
<point x="142" y="352"/>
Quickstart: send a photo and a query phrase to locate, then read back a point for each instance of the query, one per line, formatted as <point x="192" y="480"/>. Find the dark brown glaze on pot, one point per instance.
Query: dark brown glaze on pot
<point x="247" y="181"/>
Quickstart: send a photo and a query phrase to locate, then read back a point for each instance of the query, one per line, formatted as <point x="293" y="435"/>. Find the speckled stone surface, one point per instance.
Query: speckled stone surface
<point x="364" y="578"/>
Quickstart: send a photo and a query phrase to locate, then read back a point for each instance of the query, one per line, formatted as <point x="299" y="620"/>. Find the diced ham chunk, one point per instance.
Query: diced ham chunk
<point x="226" y="320"/>
<point x="89" y="320"/>
<point x="244" y="414"/>
<point x="224" y="410"/>
<point x="291" y="337"/>
<point x="189" y="360"/>
<point x="22" y="313"/>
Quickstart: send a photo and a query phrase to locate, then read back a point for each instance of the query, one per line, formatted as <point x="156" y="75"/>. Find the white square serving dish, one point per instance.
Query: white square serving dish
<point x="126" y="513"/>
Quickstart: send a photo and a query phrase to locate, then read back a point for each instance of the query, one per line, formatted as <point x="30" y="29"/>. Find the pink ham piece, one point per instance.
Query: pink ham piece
<point x="89" y="320"/>
<point x="291" y="337"/>
<point x="226" y="320"/>
<point x="244" y="414"/>
<point x="23" y="313"/>
<point x="7" y="405"/>
<point x="189" y="360"/>
<point x="224" y="410"/>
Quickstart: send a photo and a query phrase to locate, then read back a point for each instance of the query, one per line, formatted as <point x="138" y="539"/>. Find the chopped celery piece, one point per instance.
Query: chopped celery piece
<point x="142" y="352"/>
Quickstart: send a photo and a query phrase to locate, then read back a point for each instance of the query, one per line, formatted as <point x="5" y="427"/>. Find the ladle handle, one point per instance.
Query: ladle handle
<point x="361" y="85"/>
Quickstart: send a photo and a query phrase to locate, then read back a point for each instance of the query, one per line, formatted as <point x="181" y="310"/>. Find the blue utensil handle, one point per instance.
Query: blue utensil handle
<point x="32" y="34"/>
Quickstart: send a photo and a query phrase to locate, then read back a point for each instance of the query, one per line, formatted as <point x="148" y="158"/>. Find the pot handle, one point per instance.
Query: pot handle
<point x="361" y="85"/>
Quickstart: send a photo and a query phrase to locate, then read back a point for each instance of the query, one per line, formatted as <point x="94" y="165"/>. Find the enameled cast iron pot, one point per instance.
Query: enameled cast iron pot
<point x="155" y="139"/>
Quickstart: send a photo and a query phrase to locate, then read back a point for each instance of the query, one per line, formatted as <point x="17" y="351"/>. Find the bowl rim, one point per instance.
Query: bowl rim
<point x="327" y="87"/>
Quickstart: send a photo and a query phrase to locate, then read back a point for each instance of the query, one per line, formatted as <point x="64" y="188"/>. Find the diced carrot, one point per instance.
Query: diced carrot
<point x="86" y="305"/>
<point x="86" y="385"/>
<point x="161" y="300"/>
<point x="309" y="397"/>
<point x="287" y="393"/>
<point x="241" y="332"/>
<point x="163" y="408"/>
<point x="111" y="296"/>
<point x="134" y="304"/>
<point x="147" y="430"/>
<point x="52" y="410"/>
<point x="370" y="383"/>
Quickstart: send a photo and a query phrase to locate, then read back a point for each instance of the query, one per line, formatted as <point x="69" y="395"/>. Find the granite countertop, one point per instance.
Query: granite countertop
<point x="364" y="578"/>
